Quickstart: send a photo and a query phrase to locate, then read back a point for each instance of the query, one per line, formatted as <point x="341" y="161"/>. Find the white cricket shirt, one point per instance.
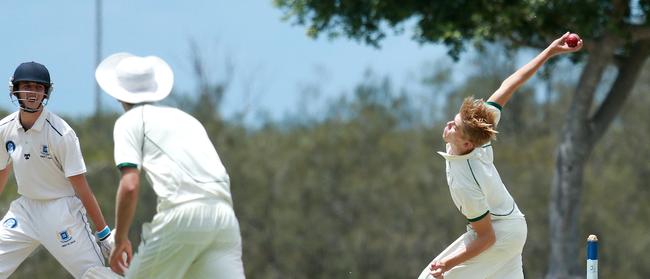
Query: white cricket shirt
<point x="42" y="157"/>
<point x="173" y="148"/>
<point x="475" y="185"/>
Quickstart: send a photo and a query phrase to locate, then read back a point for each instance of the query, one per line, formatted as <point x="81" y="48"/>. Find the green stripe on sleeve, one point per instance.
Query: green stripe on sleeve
<point x="479" y="217"/>
<point x="495" y="105"/>
<point x="127" y="165"/>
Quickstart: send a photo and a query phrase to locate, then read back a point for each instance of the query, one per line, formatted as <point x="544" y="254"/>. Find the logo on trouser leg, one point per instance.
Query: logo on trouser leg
<point x="65" y="237"/>
<point x="10" y="223"/>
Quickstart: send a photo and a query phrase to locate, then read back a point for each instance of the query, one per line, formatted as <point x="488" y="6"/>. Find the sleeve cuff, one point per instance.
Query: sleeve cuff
<point x="479" y="217"/>
<point x="127" y="165"/>
<point x="495" y="105"/>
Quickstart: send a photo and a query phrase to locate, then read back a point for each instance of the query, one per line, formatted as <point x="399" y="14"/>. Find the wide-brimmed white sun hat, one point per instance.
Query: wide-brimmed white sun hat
<point x="134" y="79"/>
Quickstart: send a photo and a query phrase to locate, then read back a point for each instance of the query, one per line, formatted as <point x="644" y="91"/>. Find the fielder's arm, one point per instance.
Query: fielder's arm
<point x="523" y="74"/>
<point x="127" y="200"/>
<point x="85" y="194"/>
<point x="4" y="176"/>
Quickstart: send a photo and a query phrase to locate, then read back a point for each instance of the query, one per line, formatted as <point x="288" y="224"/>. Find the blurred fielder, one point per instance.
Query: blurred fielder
<point x="495" y="237"/>
<point x="195" y="233"/>
<point x="55" y="198"/>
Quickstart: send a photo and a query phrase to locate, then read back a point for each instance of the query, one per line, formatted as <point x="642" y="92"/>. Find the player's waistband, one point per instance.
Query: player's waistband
<point x="44" y="200"/>
<point x="205" y="201"/>
<point x="512" y="220"/>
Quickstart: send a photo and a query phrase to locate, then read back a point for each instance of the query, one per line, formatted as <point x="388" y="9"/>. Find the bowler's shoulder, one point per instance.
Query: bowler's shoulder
<point x="496" y="109"/>
<point x="485" y="153"/>
<point x="494" y="105"/>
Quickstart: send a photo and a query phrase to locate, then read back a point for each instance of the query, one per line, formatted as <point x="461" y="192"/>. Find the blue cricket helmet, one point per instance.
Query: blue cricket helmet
<point x="32" y="71"/>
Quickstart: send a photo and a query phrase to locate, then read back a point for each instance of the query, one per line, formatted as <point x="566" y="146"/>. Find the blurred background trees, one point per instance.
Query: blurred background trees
<point x="617" y="44"/>
<point x="359" y="192"/>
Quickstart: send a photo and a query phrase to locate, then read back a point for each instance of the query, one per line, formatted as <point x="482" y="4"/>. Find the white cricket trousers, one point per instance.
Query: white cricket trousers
<point x="501" y="261"/>
<point x="198" y="239"/>
<point x="60" y="225"/>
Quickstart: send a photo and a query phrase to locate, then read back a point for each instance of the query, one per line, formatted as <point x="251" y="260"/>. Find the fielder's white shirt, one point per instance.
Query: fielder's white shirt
<point x="475" y="185"/>
<point x="42" y="157"/>
<point x="173" y="148"/>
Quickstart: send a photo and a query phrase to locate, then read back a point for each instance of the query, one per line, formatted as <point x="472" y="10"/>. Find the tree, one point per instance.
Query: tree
<point x="616" y="35"/>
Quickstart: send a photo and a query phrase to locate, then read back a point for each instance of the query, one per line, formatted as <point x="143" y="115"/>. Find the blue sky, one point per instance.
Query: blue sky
<point x="272" y="59"/>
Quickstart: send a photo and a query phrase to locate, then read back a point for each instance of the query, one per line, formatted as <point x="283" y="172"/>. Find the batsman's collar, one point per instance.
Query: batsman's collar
<point x="38" y="124"/>
<point x="134" y="79"/>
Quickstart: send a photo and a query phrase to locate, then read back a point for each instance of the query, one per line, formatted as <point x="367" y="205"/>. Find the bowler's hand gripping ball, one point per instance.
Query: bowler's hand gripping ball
<point x="572" y="40"/>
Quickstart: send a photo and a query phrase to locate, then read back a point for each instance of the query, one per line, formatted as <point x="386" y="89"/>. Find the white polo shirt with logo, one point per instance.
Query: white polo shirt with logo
<point x="176" y="153"/>
<point x="475" y="185"/>
<point x="42" y="157"/>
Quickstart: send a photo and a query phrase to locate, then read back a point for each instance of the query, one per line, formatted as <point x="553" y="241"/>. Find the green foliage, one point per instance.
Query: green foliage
<point x="611" y="29"/>
<point x="616" y="203"/>
<point x="457" y="23"/>
<point x="361" y="193"/>
<point x="326" y="193"/>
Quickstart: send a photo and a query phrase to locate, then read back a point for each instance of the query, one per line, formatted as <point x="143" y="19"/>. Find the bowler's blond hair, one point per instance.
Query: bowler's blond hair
<point x="478" y="122"/>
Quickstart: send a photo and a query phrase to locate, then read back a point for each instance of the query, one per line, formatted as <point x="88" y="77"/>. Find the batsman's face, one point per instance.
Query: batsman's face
<point x="31" y="94"/>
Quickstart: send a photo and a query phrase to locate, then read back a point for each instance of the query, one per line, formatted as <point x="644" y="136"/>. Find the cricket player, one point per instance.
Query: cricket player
<point x="55" y="199"/>
<point x="195" y="233"/>
<point x="495" y="237"/>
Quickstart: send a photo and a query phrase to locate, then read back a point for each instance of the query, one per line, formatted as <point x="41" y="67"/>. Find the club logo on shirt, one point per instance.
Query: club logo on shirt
<point x="27" y="155"/>
<point x="65" y="237"/>
<point x="45" y="153"/>
<point x="10" y="146"/>
<point x="10" y="223"/>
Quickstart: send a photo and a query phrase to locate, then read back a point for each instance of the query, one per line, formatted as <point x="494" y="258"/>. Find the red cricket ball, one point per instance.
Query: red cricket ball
<point x="572" y="40"/>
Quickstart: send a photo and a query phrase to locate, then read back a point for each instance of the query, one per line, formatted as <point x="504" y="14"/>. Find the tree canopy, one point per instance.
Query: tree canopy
<point x="458" y="23"/>
<point x="616" y="35"/>
<point x="360" y="193"/>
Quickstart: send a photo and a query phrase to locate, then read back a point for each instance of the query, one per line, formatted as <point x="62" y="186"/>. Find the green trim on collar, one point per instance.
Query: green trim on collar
<point x="495" y="105"/>
<point x="127" y="165"/>
<point x="479" y="217"/>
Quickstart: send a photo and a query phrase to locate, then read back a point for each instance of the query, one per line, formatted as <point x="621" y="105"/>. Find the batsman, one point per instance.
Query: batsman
<point x="55" y="200"/>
